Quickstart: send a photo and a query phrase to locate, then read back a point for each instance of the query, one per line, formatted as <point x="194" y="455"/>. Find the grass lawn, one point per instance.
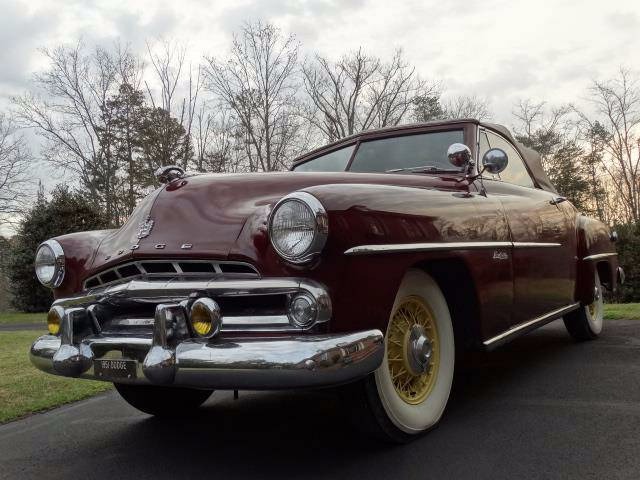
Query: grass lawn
<point x="24" y="389"/>
<point x="617" y="311"/>
<point x="7" y="318"/>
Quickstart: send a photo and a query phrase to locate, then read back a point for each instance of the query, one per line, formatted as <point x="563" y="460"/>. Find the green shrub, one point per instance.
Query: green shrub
<point x="65" y="212"/>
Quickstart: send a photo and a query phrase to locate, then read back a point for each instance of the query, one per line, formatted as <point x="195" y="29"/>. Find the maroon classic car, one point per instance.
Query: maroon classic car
<point x="374" y="262"/>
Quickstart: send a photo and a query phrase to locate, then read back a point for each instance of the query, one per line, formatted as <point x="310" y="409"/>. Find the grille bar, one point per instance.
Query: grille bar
<point x="181" y="268"/>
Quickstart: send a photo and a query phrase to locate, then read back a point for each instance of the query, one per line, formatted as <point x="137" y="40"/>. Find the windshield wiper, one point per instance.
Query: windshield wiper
<point x="424" y="169"/>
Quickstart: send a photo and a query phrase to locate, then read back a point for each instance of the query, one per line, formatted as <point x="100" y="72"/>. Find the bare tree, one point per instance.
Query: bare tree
<point x="69" y="109"/>
<point x="180" y="99"/>
<point x="466" y="106"/>
<point x="15" y="160"/>
<point x="359" y="92"/>
<point x="552" y="133"/>
<point x="617" y="115"/>
<point x="258" y="84"/>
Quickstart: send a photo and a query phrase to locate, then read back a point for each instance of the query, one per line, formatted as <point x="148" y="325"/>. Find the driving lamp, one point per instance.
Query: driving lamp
<point x="205" y="317"/>
<point x="49" y="264"/>
<point x="298" y="227"/>
<point x="54" y="320"/>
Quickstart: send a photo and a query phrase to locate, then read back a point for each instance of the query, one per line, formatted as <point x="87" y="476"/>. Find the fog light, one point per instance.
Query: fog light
<point x="54" y="320"/>
<point x="205" y="317"/>
<point x="303" y="310"/>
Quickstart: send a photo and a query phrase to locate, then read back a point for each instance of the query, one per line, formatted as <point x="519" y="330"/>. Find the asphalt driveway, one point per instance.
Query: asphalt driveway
<point x="541" y="407"/>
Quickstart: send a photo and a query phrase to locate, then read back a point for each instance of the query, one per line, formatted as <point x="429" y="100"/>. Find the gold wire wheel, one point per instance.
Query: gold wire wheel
<point x="413" y="379"/>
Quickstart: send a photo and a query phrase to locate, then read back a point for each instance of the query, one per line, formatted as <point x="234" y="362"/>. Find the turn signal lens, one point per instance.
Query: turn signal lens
<point x="303" y="310"/>
<point x="205" y="317"/>
<point x="54" y="320"/>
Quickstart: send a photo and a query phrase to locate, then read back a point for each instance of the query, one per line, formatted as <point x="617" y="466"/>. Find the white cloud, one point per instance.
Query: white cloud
<point x="496" y="49"/>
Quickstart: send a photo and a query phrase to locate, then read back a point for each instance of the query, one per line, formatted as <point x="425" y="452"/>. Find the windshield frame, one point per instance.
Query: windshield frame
<point x="469" y="128"/>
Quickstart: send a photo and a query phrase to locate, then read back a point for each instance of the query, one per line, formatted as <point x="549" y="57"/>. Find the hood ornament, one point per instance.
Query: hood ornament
<point x="169" y="173"/>
<point x="144" y="229"/>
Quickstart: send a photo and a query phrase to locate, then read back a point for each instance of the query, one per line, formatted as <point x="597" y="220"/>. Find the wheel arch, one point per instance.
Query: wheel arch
<point x="455" y="280"/>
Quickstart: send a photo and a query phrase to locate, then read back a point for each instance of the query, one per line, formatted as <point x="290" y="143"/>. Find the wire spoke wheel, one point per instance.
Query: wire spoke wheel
<point x="413" y="366"/>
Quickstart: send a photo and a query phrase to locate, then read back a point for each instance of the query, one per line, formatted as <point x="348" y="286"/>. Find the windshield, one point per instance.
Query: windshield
<point x="394" y="153"/>
<point x="406" y="152"/>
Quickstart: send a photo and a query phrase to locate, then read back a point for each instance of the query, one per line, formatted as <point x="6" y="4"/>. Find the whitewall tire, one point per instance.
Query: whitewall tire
<point x="408" y="393"/>
<point x="586" y="322"/>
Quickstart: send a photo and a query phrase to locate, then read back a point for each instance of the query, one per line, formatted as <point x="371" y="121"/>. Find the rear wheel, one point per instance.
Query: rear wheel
<point x="162" y="401"/>
<point x="586" y="322"/>
<point x="407" y="395"/>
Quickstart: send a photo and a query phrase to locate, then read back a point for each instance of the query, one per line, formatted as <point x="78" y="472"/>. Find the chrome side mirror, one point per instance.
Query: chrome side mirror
<point x="459" y="155"/>
<point x="495" y="161"/>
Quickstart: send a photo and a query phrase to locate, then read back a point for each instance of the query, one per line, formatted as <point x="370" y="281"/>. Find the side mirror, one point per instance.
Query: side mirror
<point x="495" y="160"/>
<point x="459" y="155"/>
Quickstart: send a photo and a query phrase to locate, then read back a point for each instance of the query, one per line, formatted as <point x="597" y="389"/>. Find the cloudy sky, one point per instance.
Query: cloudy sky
<point x="501" y="50"/>
<point x="498" y="49"/>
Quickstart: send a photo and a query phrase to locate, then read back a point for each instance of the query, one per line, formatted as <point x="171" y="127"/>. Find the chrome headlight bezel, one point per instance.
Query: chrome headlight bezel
<point x="321" y="228"/>
<point x="58" y="267"/>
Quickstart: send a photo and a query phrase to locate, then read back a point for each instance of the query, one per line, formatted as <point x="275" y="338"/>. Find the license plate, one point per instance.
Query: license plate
<point x="115" y="368"/>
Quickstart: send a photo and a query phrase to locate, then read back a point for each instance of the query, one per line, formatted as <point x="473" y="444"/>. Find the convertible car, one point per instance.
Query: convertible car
<point x="373" y="263"/>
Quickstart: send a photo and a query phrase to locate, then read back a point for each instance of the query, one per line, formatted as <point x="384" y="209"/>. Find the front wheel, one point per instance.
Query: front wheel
<point x="162" y="401"/>
<point x="408" y="393"/>
<point x="586" y="322"/>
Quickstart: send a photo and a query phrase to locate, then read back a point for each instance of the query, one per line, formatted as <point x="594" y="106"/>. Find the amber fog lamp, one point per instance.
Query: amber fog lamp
<point x="49" y="264"/>
<point x="298" y="227"/>
<point x="303" y="310"/>
<point x="54" y="320"/>
<point x="205" y="317"/>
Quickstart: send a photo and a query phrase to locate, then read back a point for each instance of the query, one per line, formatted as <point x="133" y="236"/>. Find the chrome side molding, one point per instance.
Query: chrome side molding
<point x="440" y="246"/>
<point x="528" y="326"/>
<point x="599" y="256"/>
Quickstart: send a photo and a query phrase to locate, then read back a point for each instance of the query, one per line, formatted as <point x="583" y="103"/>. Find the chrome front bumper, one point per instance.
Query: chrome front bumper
<point x="251" y="364"/>
<point x="267" y="355"/>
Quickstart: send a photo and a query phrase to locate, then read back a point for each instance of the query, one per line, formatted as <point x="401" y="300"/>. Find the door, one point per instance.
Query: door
<point x="543" y="243"/>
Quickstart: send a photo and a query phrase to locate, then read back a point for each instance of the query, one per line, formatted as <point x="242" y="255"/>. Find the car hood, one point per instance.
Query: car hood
<point x="203" y="215"/>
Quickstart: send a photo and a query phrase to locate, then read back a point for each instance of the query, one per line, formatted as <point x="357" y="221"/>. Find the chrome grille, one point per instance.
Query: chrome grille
<point x="161" y="268"/>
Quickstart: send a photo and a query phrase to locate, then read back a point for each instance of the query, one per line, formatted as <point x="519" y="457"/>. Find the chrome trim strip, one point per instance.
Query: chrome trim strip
<point x="541" y="319"/>
<point x="535" y="245"/>
<point x="226" y="363"/>
<point x="440" y="246"/>
<point x="598" y="256"/>
<point x="424" y="247"/>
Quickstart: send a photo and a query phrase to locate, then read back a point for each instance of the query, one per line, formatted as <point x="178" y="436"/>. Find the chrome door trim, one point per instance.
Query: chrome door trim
<point x="598" y="256"/>
<point x="440" y="246"/>
<point x="535" y="245"/>
<point x="547" y="317"/>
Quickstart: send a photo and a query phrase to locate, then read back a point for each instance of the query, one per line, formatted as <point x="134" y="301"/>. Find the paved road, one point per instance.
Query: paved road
<point x="20" y="327"/>
<point x="541" y="407"/>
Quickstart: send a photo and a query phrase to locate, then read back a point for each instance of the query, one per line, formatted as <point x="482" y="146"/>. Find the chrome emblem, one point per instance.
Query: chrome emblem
<point x="144" y="229"/>
<point x="500" y="255"/>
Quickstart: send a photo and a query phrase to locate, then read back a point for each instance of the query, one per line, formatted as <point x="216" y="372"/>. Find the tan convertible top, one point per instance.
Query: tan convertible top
<point x="530" y="156"/>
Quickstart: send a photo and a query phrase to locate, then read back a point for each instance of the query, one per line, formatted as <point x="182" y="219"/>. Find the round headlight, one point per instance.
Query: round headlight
<point x="298" y="227"/>
<point x="49" y="264"/>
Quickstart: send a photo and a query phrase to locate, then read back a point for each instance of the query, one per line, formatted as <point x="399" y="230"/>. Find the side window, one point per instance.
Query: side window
<point x="516" y="172"/>
<point x="335" y="161"/>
